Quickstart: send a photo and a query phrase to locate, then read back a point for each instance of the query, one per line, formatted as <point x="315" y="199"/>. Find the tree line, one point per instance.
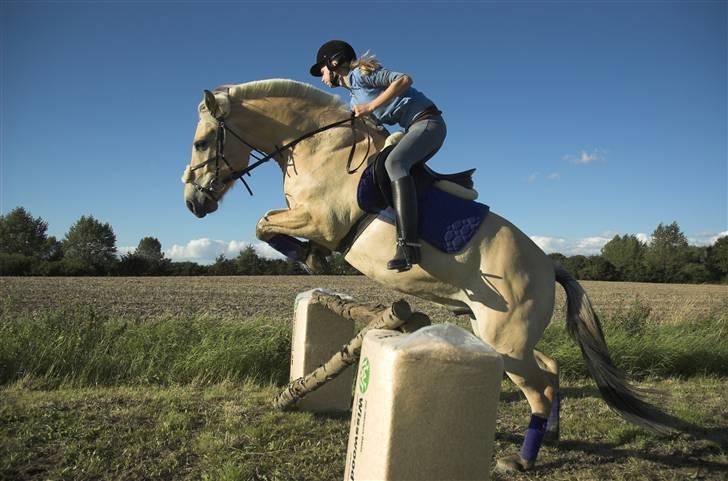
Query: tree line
<point x="666" y="258"/>
<point x="89" y="248"/>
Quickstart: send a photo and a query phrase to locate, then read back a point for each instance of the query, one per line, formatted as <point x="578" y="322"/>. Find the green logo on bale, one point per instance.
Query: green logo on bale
<point x="364" y="378"/>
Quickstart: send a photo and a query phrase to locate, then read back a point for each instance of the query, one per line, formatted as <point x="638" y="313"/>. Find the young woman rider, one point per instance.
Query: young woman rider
<point x="388" y="96"/>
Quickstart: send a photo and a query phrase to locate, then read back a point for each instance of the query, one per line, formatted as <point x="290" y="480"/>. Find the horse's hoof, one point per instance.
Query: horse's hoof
<point x="310" y="256"/>
<point x="513" y="464"/>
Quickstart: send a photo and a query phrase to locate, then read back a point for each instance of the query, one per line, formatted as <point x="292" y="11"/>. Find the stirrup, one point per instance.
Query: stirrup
<point x="407" y="255"/>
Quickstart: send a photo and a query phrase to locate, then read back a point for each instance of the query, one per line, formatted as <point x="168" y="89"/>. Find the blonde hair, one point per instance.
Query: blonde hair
<point x="367" y="63"/>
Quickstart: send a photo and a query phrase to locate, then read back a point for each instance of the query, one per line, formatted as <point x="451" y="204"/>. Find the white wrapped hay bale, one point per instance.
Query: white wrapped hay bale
<point x="425" y="406"/>
<point x="318" y="334"/>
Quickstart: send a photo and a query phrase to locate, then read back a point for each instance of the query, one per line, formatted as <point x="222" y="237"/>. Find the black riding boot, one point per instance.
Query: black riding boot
<point x="404" y="197"/>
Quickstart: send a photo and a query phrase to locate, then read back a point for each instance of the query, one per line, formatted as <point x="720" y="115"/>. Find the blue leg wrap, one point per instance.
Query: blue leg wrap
<point x="553" y="424"/>
<point x="534" y="437"/>
<point x="289" y="246"/>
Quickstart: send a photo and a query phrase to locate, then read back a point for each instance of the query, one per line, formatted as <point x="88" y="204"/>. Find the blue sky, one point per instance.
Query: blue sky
<point x="584" y="119"/>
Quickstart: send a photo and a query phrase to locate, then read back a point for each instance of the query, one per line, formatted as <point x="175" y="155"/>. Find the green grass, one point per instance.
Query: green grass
<point x="88" y="394"/>
<point x="229" y="431"/>
<point x="219" y="432"/>
<point x="79" y="345"/>
<point x="694" y="347"/>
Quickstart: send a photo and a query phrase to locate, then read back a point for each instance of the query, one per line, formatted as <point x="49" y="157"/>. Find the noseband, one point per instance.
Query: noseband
<point x="210" y="190"/>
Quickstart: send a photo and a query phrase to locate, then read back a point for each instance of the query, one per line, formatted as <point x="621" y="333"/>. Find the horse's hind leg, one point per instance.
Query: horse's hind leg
<point x="513" y="336"/>
<point x="534" y="384"/>
<point x="551" y="369"/>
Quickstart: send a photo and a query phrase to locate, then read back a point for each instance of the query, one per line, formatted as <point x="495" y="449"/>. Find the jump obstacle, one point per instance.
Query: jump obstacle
<point x="425" y="397"/>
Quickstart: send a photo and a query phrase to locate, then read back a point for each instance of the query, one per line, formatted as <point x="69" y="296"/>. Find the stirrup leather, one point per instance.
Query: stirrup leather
<point x="404" y="243"/>
<point x="406" y="255"/>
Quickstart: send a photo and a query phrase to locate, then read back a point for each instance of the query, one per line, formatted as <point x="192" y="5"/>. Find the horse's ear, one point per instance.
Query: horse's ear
<point x="211" y="104"/>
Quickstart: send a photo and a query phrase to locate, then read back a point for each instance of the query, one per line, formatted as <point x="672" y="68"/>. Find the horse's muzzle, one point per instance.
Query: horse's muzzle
<point x="201" y="205"/>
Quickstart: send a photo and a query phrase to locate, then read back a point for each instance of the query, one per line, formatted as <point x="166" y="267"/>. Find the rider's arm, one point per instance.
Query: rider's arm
<point x="395" y="89"/>
<point x="393" y="83"/>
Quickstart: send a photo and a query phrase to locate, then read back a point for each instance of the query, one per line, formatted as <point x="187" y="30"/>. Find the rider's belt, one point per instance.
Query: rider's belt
<point x="428" y="113"/>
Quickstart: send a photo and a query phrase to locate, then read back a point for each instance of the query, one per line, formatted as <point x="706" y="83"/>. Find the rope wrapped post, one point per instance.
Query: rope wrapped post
<point x="376" y="316"/>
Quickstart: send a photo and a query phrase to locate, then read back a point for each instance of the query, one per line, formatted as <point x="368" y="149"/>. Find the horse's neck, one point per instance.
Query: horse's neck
<point x="275" y="121"/>
<point x="316" y="175"/>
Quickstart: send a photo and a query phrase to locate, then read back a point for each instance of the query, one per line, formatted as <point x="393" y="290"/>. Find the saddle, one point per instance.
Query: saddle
<point x="448" y="213"/>
<point x="375" y="179"/>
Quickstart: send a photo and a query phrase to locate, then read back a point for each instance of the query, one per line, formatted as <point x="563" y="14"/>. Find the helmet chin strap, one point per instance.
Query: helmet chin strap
<point x="332" y="63"/>
<point x="335" y="79"/>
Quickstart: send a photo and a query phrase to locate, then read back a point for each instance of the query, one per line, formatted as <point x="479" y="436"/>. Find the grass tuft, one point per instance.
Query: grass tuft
<point x="644" y="348"/>
<point x="76" y="345"/>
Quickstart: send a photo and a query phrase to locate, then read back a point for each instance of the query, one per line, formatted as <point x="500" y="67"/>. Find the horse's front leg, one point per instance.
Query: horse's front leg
<point x="291" y="222"/>
<point x="279" y="228"/>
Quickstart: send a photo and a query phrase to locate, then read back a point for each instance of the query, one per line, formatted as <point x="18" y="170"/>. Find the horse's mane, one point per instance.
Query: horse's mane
<point x="281" y="88"/>
<point x="289" y="88"/>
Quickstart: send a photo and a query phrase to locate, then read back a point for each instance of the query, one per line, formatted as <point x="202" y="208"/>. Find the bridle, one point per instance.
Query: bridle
<point x="260" y="156"/>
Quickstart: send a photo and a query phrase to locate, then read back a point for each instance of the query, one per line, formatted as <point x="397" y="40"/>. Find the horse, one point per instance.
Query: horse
<point x="501" y="278"/>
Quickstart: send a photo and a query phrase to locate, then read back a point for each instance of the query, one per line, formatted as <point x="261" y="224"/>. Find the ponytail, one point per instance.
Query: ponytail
<point x="367" y="63"/>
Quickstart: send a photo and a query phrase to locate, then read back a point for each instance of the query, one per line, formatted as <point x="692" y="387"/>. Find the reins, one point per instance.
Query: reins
<point x="262" y="157"/>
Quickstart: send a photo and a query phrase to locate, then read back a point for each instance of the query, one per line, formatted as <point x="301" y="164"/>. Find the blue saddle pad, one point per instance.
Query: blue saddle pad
<point x="445" y="221"/>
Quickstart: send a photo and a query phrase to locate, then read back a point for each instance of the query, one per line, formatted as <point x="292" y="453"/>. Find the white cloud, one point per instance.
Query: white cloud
<point x="120" y="251"/>
<point x="583" y="157"/>
<point x="549" y="244"/>
<point x="532" y="177"/>
<point x="706" y="238"/>
<point x="646" y="238"/>
<point x="204" y="251"/>
<point x="553" y="176"/>
<point x="591" y="245"/>
<point x="587" y="246"/>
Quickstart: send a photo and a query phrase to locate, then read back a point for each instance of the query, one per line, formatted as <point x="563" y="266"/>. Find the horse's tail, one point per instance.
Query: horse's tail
<point x="584" y="327"/>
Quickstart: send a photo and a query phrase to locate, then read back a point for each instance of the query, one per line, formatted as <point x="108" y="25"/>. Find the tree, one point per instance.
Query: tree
<point x="338" y="266"/>
<point x="20" y="233"/>
<point x="667" y="253"/>
<point x="694" y="272"/>
<point x="92" y="243"/>
<point x="248" y="262"/>
<point x="147" y="260"/>
<point x="558" y="257"/>
<point x="575" y="265"/>
<point x="627" y="255"/>
<point x="17" y="264"/>
<point x="53" y="249"/>
<point x="132" y="265"/>
<point x="222" y="267"/>
<point x="186" y="269"/>
<point x="598" y="268"/>
<point x="718" y="256"/>
<point x="150" y="248"/>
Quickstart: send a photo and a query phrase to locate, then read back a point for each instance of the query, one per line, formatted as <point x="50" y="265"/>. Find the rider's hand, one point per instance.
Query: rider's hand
<point x="327" y="74"/>
<point x="362" y="109"/>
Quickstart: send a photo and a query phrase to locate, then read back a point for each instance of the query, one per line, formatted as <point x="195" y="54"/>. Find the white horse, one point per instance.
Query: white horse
<point x="501" y="278"/>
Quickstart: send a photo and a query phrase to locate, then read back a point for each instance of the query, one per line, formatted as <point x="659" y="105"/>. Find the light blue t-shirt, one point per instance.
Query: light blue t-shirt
<point x="400" y="110"/>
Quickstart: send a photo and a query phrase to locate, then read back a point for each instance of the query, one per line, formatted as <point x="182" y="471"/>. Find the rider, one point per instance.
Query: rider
<point x="389" y="97"/>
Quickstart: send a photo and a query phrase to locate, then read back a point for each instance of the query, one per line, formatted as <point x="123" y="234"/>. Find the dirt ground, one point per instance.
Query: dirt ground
<point x="272" y="297"/>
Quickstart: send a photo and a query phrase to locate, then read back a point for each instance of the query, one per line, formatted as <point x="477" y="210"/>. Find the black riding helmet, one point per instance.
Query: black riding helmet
<point x="332" y="50"/>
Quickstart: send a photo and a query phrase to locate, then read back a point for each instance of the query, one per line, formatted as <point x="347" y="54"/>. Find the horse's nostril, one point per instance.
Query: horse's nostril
<point x="191" y="206"/>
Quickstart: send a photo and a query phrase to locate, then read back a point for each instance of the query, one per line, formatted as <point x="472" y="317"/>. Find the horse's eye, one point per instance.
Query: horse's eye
<point x="200" y="145"/>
